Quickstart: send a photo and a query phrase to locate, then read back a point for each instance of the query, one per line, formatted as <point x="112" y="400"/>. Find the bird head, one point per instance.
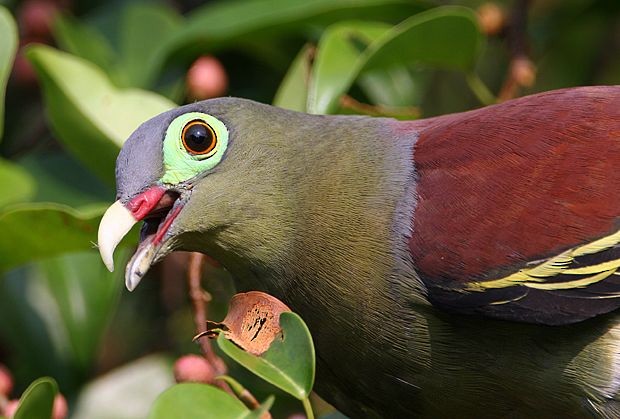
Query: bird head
<point x="195" y="173"/>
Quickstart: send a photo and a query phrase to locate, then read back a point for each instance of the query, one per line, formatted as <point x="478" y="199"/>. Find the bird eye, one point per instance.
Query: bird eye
<point x="198" y="138"/>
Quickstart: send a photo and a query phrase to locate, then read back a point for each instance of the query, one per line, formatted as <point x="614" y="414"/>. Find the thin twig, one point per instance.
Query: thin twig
<point x="521" y="71"/>
<point x="200" y="299"/>
<point x="410" y="112"/>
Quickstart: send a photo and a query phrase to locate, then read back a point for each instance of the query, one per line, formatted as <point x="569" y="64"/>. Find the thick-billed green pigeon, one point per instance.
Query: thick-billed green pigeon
<point x="463" y="266"/>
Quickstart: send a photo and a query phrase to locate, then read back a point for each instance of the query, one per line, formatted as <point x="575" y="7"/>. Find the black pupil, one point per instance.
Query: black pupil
<point x="198" y="138"/>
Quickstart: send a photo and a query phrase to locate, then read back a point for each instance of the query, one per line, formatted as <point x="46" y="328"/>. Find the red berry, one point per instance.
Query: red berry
<point x="60" y="409"/>
<point x="193" y="368"/>
<point x="11" y="408"/>
<point x="6" y="381"/>
<point x="23" y="73"/>
<point x="206" y="78"/>
<point x="36" y="17"/>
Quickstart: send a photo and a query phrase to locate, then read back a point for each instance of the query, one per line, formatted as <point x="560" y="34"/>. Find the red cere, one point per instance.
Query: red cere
<point x="141" y="205"/>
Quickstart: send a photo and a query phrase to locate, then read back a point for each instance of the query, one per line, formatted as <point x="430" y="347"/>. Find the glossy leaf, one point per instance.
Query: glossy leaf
<point x="197" y="401"/>
<point x="396" y="86"/>
<point x="37" y="401"/>
<point x="444" y="37"/>
<point x="227" y="23"/>
<point x="88" y="114"/>
<point x="338" y="54"/>
<point x="288" y="364"/>
<point x="8" y="46"/>
<point x="28" y="228"/>
<point x="293" y="91"/>
<point x="16" y="184"/>
<point x="144" y="29"/>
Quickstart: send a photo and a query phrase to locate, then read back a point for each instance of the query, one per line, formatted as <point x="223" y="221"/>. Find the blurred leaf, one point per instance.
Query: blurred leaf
<point x="61" y="179"/>
<point x="288" y="363"/>
<point x="127" y="392"/>
<point x="293" y="91"/>
<point x="444" y="37"/>
<point x="59" y="309"/>
<point x="145" y="27"/>
<point x="89" y="115"/>
<point x="84" y="41"/>
<point x="229" y="23"/>
<point x="39" y="230"/>
<point x="16" y="184"/>
<point x="37" y="401"/>
<point x="396" y="86"/>
<point x="338" y="54"/>
<point x="8" y="46"/>
<point x="197" y="401"/>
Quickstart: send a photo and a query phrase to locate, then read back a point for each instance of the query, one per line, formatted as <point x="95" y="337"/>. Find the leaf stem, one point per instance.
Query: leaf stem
<point x="308" y="407"/>
<point x="479" y="89"/>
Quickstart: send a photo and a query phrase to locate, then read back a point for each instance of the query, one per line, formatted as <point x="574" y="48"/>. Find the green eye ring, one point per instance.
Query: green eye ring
<point x="186" y="157"/>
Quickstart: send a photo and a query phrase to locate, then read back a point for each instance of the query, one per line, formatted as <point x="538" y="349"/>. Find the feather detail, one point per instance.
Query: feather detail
<point x="518" y="207"/>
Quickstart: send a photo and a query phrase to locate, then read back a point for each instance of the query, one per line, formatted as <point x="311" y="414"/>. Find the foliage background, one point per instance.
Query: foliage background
<point x="61" y="313"/>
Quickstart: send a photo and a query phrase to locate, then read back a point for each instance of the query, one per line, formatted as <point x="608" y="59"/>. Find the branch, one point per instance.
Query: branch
<point x="200" y="299"/>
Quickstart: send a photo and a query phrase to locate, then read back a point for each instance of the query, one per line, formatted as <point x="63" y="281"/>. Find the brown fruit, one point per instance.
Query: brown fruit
<point x="206" y="78"/>
<point x="491" y="18"/>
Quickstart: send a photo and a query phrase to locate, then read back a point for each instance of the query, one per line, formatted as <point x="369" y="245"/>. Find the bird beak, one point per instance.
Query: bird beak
<point x="115" y="224"/>
<point x="159" y="207"/>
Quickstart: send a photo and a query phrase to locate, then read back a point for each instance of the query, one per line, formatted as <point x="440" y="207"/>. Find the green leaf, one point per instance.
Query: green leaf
<point x="39" y="230"/>
<point x="84" y="41"/>
<point x="37" y="401"/>
<point x="88" y="114"/>
<point x="128" y="391"/>
<point x="444" y="37"/>
<point x="8" y="46"/>
<point x="16" y="184"/>
<point x="228" y="23"/>
<point x="59" y="307"/>
<point x="338" y="54"/>
<point x="288" y="363"/>
<point x="260" y="410"/>
<point x="197" y="401"/>
<point x="396" y="86"/>
<point x="293" y="91"/>
<point x="145" y="28"/>
<point x="61" y="179"/>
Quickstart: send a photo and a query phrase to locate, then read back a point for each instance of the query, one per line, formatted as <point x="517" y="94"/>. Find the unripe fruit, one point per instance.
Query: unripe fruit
<point x="193" y="368"/>
<point x="206" y="78"/>
<point x="6" y="381"/>
<point x="491" y="18"/>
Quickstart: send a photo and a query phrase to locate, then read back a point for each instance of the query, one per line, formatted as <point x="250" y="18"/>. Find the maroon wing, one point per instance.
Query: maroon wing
<point x="518" y="211"/>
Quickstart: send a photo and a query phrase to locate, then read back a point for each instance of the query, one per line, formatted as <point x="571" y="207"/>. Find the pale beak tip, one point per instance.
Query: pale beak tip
<point x="108" y="264"/>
